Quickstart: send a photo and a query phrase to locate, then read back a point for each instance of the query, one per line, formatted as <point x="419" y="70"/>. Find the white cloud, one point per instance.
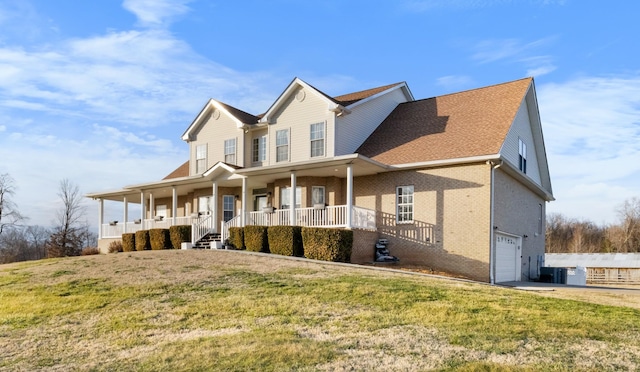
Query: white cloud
<point x="592" y="128"/>
<point x="516" y="51"/>
<point x="156" y="13"/>
<point x="456" y="82"/>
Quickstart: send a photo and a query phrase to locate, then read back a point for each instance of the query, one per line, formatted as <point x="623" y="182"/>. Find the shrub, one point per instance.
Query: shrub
<point x="128" y="242"/>
<point x="255" y="239"/>
<point x="91" y="251"/>
<point x="159" y="239"/>
<point x="285" y="240"/>
<point x="116" y="246"/>
<point x="327" y="244"/>
<point x="142" y="240"/>
<point x="236" y="237"/>
<point x="179" y="234"/>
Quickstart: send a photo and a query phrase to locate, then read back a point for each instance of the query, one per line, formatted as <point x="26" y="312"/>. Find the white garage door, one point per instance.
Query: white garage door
<point x="507" y="259"/>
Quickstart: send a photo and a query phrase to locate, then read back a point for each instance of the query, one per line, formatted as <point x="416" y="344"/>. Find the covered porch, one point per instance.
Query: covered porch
<point x="226" y="196"/>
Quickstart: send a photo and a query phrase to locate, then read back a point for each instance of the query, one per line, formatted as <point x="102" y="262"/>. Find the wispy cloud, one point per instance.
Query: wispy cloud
<point x="592" y="131"/>
<point x="156" y="13"/>
<point x="516" y="51"/>
<point x="452" y="82"/>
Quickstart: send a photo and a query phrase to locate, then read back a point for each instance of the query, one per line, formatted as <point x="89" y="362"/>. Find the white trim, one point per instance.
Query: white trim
<point x="187" y="136"/>
<point x="404" y="85"/>
<point x="436" y="163"/>
<point x="349" y="196"/>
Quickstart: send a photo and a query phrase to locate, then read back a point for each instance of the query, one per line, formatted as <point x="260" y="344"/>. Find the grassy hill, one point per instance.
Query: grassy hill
<point x="222" y="310"/>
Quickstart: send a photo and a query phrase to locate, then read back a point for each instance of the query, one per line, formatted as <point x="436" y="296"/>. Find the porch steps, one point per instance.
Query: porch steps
<point x="205" y="242"/>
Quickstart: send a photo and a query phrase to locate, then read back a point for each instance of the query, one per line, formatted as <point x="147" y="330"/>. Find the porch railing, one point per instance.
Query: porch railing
<point x="201" y="228"/>
<point x="224" y="230"/>
<point x="108" y="230"/>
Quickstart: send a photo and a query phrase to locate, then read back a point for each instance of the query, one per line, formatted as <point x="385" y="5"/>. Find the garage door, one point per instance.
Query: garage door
<point x="507" y="259"/>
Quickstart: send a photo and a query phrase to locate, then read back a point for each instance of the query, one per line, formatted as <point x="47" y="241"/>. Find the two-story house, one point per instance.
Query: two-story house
<point x="457" y="182"/>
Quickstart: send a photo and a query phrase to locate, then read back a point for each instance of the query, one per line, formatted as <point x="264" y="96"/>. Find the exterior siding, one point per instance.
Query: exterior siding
<point x="354" y="128"/>
<point x="517" y="212"/>
<point x="450" y="231"/>
<point x="521" y="129"/>
<point x="214" y="132"/>
<point x="298" y="117"/>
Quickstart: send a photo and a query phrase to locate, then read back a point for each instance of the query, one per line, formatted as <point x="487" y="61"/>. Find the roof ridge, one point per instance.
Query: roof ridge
<point x="473" y="89"/>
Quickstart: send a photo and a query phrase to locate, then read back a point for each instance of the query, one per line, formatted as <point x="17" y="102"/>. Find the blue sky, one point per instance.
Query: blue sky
<point x="100" y="91"/>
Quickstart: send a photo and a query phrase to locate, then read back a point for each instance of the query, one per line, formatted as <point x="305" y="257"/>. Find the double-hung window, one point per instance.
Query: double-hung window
<point x="227" y="207"/>
<point x="282" y="145"/>
<point x="317" y="139"/>
<point x="522" y="155"/>
<point x="259" y="149"/>
<point x="230" y="151"/>
<point x="404" y="204"/>
<point x="201" y="158"/>
<point x="285" y="197"/>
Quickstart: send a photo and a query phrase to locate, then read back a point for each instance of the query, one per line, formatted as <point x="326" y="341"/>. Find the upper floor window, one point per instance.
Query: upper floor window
<point x="317" y="139"/>
<point x="230" y="151"/>
<point x="522" y="155"/>
<point x="282" y="145"/>
<point x="201" y="158"/>
<point x="259" y="149"/>
<point x="404" y="204"/>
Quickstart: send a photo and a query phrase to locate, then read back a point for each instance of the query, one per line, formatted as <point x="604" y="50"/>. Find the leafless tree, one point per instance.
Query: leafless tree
<point x="9" y="214"/>
<point x="23" y="244"/>
<point x="67" y="237"/>
<point x="629" y="214"/>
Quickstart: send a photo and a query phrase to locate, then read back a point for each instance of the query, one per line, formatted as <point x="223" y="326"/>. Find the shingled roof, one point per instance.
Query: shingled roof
<point x="244" y="117"/>
<point x="459" y="125"/>
<point x="351" y="98"/>
<point x="181" y="171"/>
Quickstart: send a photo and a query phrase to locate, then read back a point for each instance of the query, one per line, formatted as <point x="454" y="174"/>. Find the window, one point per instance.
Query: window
<point x="259" y="150"/>
<point x="282" y="145"/>
<point x="201" y="158"/>
<point x="285" y="197"/>
<point x="522" y="157"/>
<point x="227" y="207"/>
<point x="230" y="151"/>
<point x="317" y="195"/>
<point x="161" y="211"/>
<point x="404" y="204"/>
<point x="317" y="139"/>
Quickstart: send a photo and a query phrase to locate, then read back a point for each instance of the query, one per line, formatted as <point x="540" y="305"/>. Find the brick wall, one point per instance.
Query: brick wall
<point x="450" y="231"/>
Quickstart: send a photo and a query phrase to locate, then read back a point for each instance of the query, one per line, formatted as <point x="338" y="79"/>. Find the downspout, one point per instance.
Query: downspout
<point x="492" y="250"/>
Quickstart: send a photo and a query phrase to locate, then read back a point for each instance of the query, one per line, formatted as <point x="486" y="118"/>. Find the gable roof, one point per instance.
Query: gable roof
<point x="466" y="124"/>
<point x="238" y="116"/>
<point x="181" y="171"/>
<point x="351" y="98"/>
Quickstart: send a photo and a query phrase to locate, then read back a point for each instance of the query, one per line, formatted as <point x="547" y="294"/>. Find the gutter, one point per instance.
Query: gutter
<point x="494" y="165"/>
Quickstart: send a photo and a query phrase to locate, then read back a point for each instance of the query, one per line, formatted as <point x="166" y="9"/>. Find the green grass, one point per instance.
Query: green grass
<point x="220" y="316"/>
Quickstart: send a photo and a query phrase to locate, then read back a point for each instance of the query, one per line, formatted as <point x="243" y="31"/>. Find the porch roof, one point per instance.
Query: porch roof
<point x="231" y="176"/>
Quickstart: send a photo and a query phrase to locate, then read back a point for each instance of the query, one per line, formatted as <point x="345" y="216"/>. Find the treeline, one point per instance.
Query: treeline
<point x="565" y="235"/>
<point x="69" y="236"/>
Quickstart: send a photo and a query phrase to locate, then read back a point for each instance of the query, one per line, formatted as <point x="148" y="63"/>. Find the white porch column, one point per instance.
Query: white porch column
<point x="152" y="207"/>
<point x="243" y="202"/>
<point x="174" y="206"/>
<point x="292" y="198"/>
<point x="126" y="214"/>
<point x="143" y="209"/>
<point x="100" y="217"/>
<point x="349" y="195"/>
<point x="214" y="206"/>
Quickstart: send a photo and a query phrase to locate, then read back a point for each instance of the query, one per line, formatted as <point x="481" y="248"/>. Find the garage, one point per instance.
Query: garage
<point x="507" y="258"/>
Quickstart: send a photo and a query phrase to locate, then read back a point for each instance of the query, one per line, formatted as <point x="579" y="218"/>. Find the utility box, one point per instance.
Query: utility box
<point x="577" y="276"/>
<point x="556" y="275"/>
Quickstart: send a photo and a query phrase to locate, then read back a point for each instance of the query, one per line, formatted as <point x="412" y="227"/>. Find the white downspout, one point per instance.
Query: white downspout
<point x="125" y="217"/>
<point x="349" y="196"/>
<point x="100" y="217"/>
<point x="492" y="250"/>
<point x="292" y="199"/>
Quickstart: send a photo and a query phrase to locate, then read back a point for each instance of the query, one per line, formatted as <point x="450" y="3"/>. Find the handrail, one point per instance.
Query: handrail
<point x="201" y="228"/>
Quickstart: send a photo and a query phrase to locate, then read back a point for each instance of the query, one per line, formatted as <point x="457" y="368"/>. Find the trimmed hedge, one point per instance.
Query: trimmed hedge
<point x="142" y="240"/>
<point x="128" y="242"/>
<point x="179" y="234"/>
<point x="255" y="238"/>
<point x="285" y="240"/>
<point x="236" y="237"/>
<point x="159" y="239"/>
<point x="327" y="244"/>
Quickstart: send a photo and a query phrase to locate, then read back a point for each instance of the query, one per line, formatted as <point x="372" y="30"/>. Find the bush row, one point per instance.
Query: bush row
<point x="310" y="242"/>
<point x="142" y="240"/>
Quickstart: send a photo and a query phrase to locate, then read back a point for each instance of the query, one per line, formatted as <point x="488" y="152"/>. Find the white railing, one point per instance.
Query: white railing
<point x="200" y="228"/>
<point x="330" y="216"/>
<point x="108" y="230"/>
<point x="224" y="231"/>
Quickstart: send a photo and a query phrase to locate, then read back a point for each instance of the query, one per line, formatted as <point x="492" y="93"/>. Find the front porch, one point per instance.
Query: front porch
<point x="328" y="216"/>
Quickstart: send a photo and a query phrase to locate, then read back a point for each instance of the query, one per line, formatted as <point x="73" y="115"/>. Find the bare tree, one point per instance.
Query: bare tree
<point x="9" y="215"/>
<point x="629" y="214"/>
<point x="67" y="237"/>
